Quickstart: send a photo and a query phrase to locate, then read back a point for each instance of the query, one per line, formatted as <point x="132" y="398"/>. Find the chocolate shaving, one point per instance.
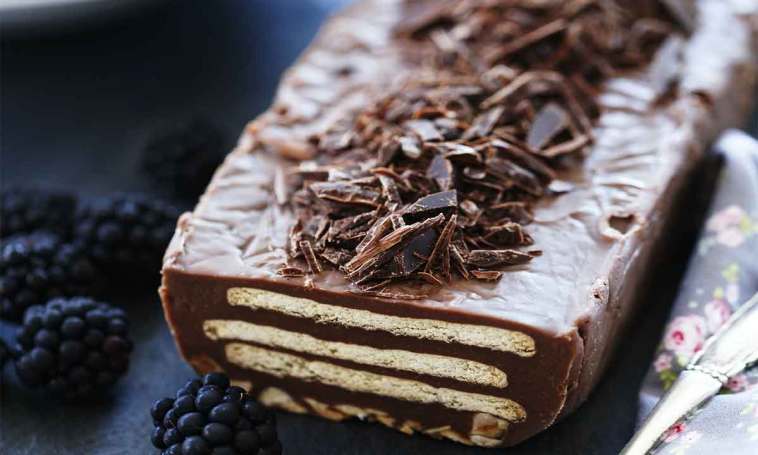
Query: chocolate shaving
<point x="387" y="151"/>
<point x="523" y="158"/>
<point x="375" y="286"/>
<point x="414" y="254"/>
<point x="281" y="189"/>
<point x="495" y="258"/>
<point x="310" y="257"/>
<point x="377" y="230"/>
<point x="458" y="261"/>
<point x="390" y="192"/>
<point x="387" y="294"/>
<point x="438" y="178"/>
<point x="460" y="153"/>
<point x="425" y="129"/>
<point x="560" y="187"/>
<point x="475" y="172"/>
<point x="336" y="257"/>
<point x="370" y="260"/>
<point x="428" y="206"/>
<point x="410" y="147"/>
<point x="345" y="193"/>
<point x="422" y="16"/>
<point x="441" y="245"/>
<point x="511" y="174"/>
<point x="309" y="170"/>
<point x="441" y="171"/>
<point x="484" y="123"/>
<point x="469" y="208"/>
<point x="295" y="235"/>
<point x="290" y="272"/>
<point x="487" y="275"/>
<point x="430" y="278"/>
<point x="507" y="234"/>
<point x="399" y="179"/>
<point x="529" y="38"/>
<point x="397" y="221"/>
<point x="550" y="121"/>
<point x="566" y="147"/>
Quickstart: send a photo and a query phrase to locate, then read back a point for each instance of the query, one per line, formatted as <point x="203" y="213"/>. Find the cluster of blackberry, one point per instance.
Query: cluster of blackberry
<point x="55" y="245"/>
<point x="56" y="257"/>
<point x="210" y="416"/>
<point x="73" y="346"/>
<point x="51" y="255"/>
<point x="55" y="260"/>
<point x="37" y="267"/>
<point x="28" y="211"/>
<point x="125" y="233"/>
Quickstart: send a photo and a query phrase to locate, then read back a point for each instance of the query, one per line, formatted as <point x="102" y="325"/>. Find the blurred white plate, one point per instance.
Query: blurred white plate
<point x="41" y="16"/>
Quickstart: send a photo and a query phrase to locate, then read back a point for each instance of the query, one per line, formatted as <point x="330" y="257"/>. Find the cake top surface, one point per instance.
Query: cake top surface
<point x="500" y="158"/>
<point x="436" y="180"/>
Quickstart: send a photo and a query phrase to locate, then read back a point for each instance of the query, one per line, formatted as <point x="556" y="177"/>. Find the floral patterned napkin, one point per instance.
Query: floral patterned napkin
<point x="722" y="274"/>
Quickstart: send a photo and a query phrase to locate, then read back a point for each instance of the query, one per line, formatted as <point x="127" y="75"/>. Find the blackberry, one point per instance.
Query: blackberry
<point x="184" y="159"/>
<point x="37" y="267"/>
<point x="126" y="232"/>
<point x="209" y="416"/>
<point x="24" y="210"/>
<point x="73" y="346"/>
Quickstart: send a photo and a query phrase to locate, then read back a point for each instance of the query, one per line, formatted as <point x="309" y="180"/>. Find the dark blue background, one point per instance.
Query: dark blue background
<point x="76" y="108"/>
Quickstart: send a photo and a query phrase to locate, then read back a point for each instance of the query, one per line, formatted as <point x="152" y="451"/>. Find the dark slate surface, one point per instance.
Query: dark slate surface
<point x="75" y="109"/>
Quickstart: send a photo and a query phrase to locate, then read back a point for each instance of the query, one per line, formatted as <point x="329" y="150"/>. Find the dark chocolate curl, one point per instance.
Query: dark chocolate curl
<point x="444" y="202"/>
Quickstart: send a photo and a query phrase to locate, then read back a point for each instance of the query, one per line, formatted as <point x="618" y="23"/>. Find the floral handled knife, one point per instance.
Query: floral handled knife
<point x="730" y="350"/>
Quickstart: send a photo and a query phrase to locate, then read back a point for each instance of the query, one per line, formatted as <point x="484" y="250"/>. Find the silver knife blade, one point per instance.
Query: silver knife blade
<point x="730" y="350"/>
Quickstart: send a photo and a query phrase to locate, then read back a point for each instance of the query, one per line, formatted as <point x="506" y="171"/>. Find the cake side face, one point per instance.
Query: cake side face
<point x="427" y="371"/>
<point x="483" y="363"/>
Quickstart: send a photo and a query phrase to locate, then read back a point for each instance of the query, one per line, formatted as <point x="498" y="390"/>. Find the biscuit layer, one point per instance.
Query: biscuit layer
<point x="396" y="359"/>
<point x="282" y="365"/>
<point x="493" y="338"/>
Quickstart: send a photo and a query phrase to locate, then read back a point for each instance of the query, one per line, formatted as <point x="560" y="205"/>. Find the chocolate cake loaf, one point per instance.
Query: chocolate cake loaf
<point x="444" y="221"/>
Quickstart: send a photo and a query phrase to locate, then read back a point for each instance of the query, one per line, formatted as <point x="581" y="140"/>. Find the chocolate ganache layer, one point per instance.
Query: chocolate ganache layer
<point x="444" y="221"/>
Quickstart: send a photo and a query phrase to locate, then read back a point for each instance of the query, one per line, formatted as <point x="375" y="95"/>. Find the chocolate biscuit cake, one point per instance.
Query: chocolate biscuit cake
<point x="443" y="222"/>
